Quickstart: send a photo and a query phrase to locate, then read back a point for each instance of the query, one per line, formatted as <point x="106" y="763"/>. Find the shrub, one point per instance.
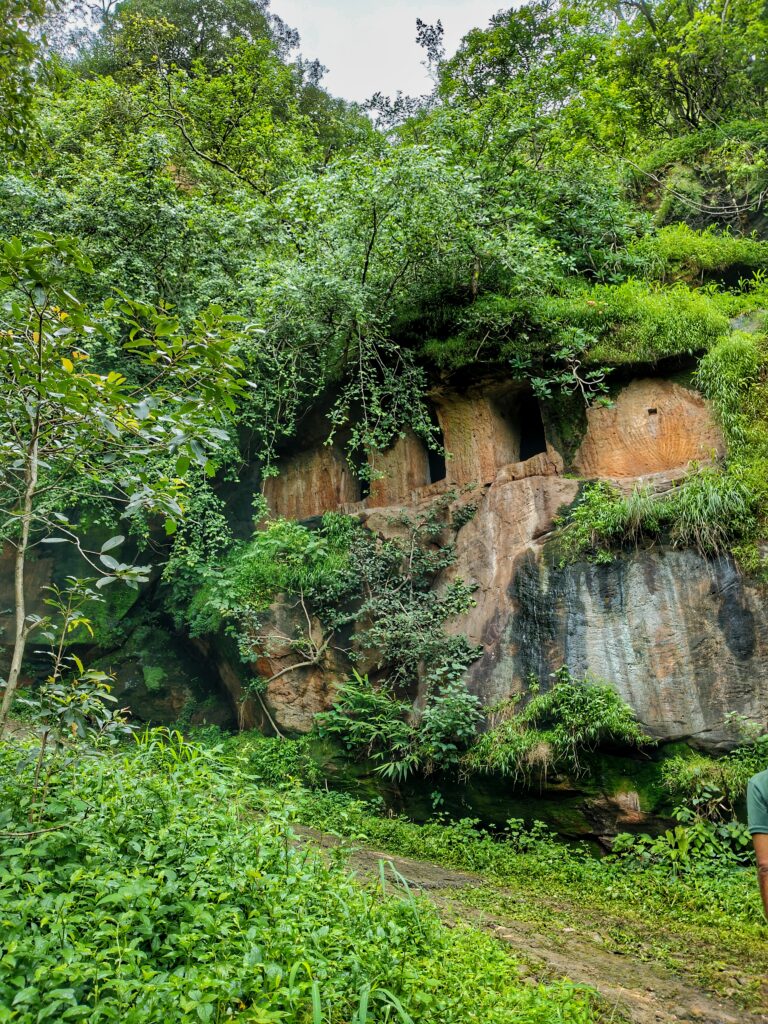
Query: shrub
<point x="695" y="845"/>
<point x="711" y="787"/>
<point x="709" y="511"/>
<point x="604" y="519"/>
<point x="283" y="557"/>
<point x="554" y="729"/>
<point x="277" y="762"/>
<point x="371" y="721"/>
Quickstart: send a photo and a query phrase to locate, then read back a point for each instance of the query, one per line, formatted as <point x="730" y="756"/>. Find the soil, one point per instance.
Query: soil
<point x="565" y="941"/>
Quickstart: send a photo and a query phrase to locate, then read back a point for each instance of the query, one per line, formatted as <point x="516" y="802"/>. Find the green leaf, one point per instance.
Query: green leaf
<point x="113" y="542"/>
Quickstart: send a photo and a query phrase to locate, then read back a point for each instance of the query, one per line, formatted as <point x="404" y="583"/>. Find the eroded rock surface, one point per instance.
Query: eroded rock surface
<point x="311" y="483"/>
<point x="683" y="638"/>
<point x="654" y="426"/>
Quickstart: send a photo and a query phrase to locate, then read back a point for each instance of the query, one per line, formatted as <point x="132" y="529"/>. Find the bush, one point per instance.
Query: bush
<point x="696" y="845"/>
<point x="371" y="721"/>
<point x="283" y="557"/>
<point x="712" y="510"/>
<point x="554" y="729"/>
<point x="712" y="787"/>
<point x="276" y="762"/>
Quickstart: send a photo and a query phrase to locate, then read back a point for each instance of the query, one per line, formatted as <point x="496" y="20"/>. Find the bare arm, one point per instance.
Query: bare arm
<point x="761" y="853"/>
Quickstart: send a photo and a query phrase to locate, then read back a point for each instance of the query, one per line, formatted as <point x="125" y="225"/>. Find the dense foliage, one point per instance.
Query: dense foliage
<point x="536" y="733"/>
<point x="154" y="886"/>
<point x="208" y="262"/>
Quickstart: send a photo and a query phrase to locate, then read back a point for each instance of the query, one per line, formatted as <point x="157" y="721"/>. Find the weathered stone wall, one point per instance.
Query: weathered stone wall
<point x="683" y="638"/>
<point x="311" y="483"/>
<point x="399" y="472"/>
<point x="478" y="437"/>
<point x="654" y="426"/>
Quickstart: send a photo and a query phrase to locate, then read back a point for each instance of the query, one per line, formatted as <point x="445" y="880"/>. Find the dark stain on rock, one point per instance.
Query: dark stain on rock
<point x="734" y="616"/>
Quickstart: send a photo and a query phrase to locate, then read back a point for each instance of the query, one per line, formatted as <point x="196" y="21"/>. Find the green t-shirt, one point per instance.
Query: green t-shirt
<point x="757" y="803"/>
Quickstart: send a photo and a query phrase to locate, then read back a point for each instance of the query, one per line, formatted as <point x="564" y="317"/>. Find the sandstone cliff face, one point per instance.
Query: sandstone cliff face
<point x="653" y="427"/>
<point x="292" y="695"/>
<point x="683" y="638"/>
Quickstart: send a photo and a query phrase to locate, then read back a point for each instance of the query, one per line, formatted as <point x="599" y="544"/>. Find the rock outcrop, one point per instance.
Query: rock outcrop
<point x="297" y="683"/>
<point x="683" y="638"/>
<point x="653" y="427"/>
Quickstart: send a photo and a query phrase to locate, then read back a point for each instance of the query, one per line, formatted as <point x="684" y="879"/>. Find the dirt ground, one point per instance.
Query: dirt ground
<point x="636" y="987"/>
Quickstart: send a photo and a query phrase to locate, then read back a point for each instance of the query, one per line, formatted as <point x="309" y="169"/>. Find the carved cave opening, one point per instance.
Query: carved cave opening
<point x="519" y="428"/>
<point x="533" y="440"/>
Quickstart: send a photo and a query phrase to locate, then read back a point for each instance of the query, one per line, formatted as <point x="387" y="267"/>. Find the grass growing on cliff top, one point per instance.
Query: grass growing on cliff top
<point x="633" y="321"/>
<point x="147" y="889"/>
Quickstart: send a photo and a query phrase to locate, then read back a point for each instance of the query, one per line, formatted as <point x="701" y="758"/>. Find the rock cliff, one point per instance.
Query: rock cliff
<point x="683" y="638"/>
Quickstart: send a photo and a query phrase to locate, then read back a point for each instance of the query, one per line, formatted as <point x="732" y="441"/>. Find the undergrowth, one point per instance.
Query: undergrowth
<point x="149" y="891"/>
<point x="537" y="732"/>
<point x="537" y="860"/>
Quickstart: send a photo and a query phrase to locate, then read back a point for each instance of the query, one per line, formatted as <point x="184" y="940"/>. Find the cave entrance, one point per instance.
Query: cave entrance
<point x="436" y="456"/>
<point x="358" y="460"/>
<point x="533" y="440"/>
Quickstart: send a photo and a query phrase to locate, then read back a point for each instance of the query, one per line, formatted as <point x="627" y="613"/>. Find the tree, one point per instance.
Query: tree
<point x="73" y="434"/>
<point x="178" y="32"/>
<point x="689" y="65"/>
<point x="17" y="55"/>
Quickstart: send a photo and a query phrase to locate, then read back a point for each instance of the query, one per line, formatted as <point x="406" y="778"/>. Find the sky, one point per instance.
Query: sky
<point x="370" y="46"/>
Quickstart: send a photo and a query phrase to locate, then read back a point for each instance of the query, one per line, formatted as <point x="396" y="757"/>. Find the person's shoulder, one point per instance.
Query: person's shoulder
<point x="759" y="782"/>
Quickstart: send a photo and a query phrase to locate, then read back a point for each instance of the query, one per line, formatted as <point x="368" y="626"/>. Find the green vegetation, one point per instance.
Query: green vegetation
<point x="340" y="575"/>
<point x="677" y="252"/>
<point x="152" y="885"/>
<point x="688" y="907"/>
<point x="709" y="511"/>
<point x="208" y="263"/>
<point x="552" y="731"/>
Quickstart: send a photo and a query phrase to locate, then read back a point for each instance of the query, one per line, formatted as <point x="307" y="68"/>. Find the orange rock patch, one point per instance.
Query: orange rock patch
<point x="653" y="426"/>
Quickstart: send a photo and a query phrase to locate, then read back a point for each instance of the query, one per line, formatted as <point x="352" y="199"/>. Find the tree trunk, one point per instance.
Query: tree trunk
<point x="22" y="627"/>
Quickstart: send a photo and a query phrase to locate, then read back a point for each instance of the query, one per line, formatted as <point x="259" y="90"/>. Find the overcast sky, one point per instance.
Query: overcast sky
<point x="370" y="46"/>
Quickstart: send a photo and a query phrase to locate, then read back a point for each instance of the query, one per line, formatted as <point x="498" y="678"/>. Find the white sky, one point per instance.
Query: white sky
<point x="370" y="46"/>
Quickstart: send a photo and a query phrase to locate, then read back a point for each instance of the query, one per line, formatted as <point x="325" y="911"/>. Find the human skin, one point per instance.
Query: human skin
<point x="761" y="853"/>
